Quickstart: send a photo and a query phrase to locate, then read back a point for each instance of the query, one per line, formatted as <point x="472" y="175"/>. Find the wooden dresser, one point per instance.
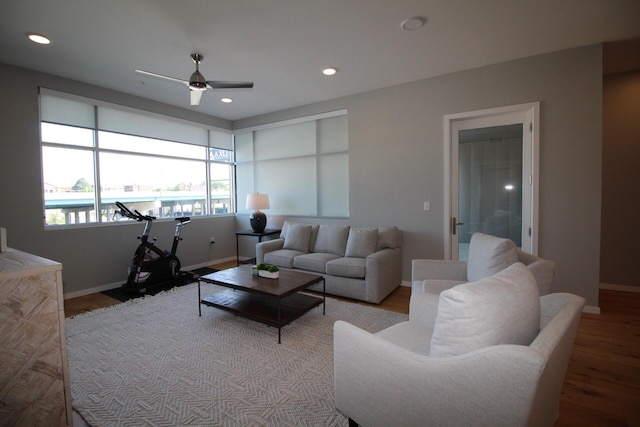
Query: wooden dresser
<point x="34" y="380"/>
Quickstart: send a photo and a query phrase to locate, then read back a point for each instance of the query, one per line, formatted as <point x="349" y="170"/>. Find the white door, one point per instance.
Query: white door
<point x="492" y="183"/>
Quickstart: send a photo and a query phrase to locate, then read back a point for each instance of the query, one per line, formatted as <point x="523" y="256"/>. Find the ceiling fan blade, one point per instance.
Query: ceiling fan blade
<point x="229" y="85"/>
<point x="160" y="76"/>
<point x="197" y="83"/>
<point x="196" y="95"/>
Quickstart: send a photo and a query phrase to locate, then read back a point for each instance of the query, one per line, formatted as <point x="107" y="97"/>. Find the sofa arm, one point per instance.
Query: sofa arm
<point x="267" y="246"/>
<point x="383" y="273"/>
<point x="543" y="270"/>
<point x="423" y="309"/>
<point x="435" y="269"/>
<point x="377" y="383"/>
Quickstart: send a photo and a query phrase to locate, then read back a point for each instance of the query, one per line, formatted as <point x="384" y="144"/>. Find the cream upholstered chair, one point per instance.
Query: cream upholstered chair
<point x="487" y="255"/>
<point x="490" y="353"/>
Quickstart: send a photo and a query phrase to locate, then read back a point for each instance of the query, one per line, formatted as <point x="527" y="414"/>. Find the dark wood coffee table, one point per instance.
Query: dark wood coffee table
<point x="274" y="302"/>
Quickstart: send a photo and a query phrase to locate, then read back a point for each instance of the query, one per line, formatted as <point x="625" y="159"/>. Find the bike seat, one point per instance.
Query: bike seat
<point x="183" y="219"/>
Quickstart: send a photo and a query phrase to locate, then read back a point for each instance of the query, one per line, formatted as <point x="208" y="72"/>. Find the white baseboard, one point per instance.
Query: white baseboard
<point x="622" y="288"/>
<point x="101" y="288"/>
<point x="591" y="309"/>
<point x="89" y="291"/>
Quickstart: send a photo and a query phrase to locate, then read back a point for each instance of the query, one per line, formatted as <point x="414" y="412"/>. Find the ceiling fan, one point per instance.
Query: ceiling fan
<point x="198" y="84"/>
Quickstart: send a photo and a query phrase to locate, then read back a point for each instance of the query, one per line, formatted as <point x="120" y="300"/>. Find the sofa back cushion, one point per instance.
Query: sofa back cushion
<point x="361" y="242"/>
<point x="298" y="237"/>
<point x="331" y="239"/>
<point x="388" y="238"/>
<point x="488" y="255"/>
<point x="283" y="231"/>
<point x="501" y="309"/>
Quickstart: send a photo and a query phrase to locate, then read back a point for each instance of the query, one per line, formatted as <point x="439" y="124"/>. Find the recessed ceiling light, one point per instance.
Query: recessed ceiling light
<point x="329" y="71"/>
<point x="38" y="38"/>
<point x="226" y="100"/>
<point x="414" y="23"/>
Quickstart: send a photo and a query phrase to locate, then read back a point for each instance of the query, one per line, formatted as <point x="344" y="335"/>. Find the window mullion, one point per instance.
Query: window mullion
<point x="208" y="197"/>
<point x="97" y="191"/>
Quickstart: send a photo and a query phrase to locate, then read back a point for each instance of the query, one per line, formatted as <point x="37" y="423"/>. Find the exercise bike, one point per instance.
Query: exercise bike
<point x="151" y="266"/>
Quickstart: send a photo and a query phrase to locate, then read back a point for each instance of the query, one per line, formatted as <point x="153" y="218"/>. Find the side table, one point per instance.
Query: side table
<point x="265" y="232"/>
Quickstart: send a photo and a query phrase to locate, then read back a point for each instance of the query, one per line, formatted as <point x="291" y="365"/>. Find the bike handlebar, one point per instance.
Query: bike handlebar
<point x="138" y="216"/>
<point x="125" y="211"/>
<point x="145" y="217"/>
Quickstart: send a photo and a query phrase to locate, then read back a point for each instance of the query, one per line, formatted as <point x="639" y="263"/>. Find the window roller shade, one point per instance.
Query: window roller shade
<point x="66" y="109"/>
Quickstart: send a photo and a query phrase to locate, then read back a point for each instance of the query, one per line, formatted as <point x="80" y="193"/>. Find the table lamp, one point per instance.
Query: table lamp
<point x="258" y="219"/>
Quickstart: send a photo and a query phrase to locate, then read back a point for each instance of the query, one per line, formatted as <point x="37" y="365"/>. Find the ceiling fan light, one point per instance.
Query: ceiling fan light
<point x="195" y="96"/>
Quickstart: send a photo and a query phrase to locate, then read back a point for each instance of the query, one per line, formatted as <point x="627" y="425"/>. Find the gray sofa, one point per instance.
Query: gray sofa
<point x="363" y="263"/>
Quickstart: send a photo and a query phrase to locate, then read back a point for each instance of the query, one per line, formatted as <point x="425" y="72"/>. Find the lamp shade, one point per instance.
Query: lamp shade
<point x="257" y="201"/>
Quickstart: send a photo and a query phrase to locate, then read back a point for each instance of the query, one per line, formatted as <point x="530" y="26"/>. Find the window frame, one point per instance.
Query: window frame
<point x="252" y="158"/>
<point x="207" y="160"/>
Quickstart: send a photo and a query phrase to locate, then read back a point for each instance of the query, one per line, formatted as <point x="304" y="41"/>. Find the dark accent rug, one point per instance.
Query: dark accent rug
<point x="122" y="295"/>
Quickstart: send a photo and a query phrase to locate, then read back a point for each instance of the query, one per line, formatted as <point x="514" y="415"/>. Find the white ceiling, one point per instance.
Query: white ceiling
<point x="282" y="45"/>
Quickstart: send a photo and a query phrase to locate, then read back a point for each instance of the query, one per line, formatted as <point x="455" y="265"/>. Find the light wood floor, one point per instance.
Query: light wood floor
<point x="602" y="386"/>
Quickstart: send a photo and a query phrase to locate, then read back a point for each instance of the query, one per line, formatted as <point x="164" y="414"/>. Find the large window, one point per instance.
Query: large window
<point x="303" y="165"/>
<point x="94" y="154"/>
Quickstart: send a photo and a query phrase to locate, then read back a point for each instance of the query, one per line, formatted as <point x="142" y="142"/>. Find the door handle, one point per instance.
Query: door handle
<point x="454" y="225"/>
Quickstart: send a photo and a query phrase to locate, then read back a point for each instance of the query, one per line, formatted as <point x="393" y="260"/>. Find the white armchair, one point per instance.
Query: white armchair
<point x="393" y="378"/>
<point x="487" y="255"/>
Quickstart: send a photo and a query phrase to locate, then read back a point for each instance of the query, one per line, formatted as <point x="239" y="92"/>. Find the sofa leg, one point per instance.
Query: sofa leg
<point x="352" y="423"/>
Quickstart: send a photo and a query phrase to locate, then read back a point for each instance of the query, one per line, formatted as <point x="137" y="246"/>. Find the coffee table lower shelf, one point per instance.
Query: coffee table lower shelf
<point x="276" y="312"/>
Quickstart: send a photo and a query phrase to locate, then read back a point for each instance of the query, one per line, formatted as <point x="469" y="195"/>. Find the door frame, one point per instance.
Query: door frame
<point x="533" y="109"/>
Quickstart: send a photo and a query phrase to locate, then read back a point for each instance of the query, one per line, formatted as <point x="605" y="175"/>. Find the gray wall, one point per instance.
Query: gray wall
<point x="396" y="163"/>
<point x="396" y="154"/>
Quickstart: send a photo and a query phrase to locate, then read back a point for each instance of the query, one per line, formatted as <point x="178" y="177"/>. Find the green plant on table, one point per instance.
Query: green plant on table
<point x="269" y="267"/>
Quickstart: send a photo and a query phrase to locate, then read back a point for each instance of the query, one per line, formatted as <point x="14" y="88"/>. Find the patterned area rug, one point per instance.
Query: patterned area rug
<point x="154" y="361"/>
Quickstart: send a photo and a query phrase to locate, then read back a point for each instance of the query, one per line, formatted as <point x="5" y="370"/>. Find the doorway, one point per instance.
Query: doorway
<point x="491" y="178"/>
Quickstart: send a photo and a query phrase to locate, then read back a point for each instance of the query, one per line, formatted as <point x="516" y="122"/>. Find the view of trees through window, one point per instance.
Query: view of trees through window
<point x="85" y="171"/>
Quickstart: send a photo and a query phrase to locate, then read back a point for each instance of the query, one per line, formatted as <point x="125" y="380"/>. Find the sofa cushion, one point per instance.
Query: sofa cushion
<point x="347" y="267"/>
<point x="314" y="235"/>
<point x="361" y="242"/>
<point x="298" y="237"/>
<point x="282" y="257"/>
<point x="314" y="261"/>
<point x="501" y="309"/>
<point x="283" y="231"/>
<point x="388" y="237"/>
<point x="488" y="255"/>
<point x="331" y="239"/>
